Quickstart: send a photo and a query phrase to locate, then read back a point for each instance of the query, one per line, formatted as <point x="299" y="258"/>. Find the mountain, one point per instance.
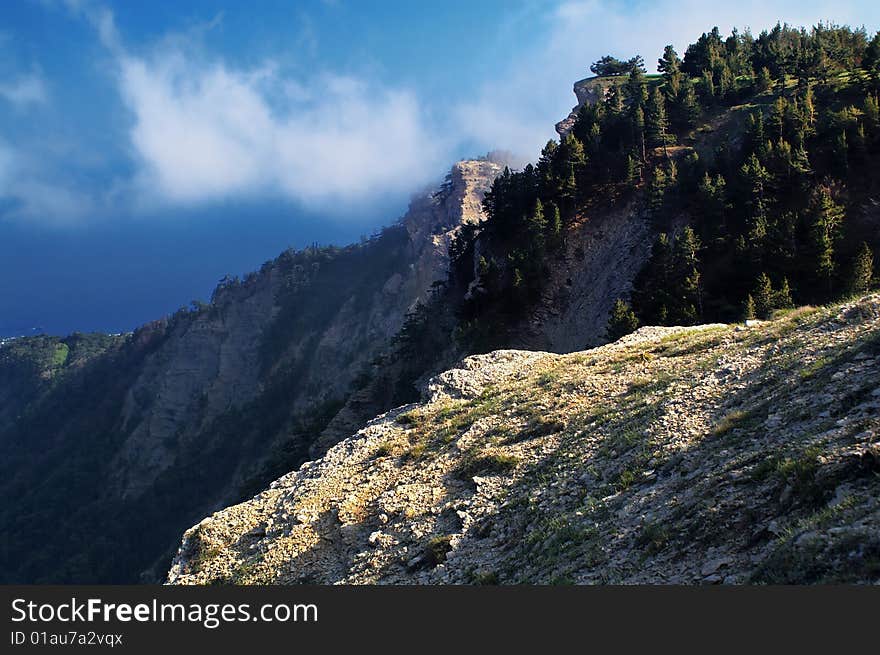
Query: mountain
<point x="101" y="435"/>
<point x="705" y="454"/>
<point x="735" y="185"/>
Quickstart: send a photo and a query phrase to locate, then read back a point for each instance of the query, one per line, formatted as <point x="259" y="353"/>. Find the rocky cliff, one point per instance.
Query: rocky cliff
<point x="589" y="91"/>
<point x="712" y="454"/>
<point x="178" y="418"/>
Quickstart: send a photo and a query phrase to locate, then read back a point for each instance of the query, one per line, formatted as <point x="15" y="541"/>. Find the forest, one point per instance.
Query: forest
<point x="777" y="213"/>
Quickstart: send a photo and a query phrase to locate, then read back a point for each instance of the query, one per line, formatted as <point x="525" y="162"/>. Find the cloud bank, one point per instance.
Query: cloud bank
<point x="205" y="131"/>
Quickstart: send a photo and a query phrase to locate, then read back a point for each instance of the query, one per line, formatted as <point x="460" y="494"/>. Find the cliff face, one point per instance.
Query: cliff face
<point x="213" y="363"/>
<point x="206" y="402"/>
<point x="589" y="91"/>
<point x="601" y="257"/>
<point x="676" y="455"/>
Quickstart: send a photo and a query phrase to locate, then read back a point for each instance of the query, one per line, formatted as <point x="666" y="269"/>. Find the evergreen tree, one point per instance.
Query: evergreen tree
<point x="657" y="125"/>
<point x="756" y="139"/>
<point x="688" y="280"/>
<point x="782" y="298"/>
<point x="622" y="321"/>
<point x="763" y="297"/>
<point x="725" y="82"/>
<point x="708" y="88"/>
<point x="657" y="191"/>
<point x="651" y="297"/>
<point x="749" y="308"/>
<point x="633" y="170"/>
<point x="764" y="82"/>
<point x="713" y="203"/>
<point x="554" y="225"/>
<point x="537" y="227"/>
<point x="840" y="155"/>
<point x="755" y="178"/>
<point x="826" y="221"/>
<point x="636" y="89"/>
<point x="862" y="274"/>
<point x="871" y="61"/>
<point x="638" y="127"/>
<point x="684" y="109"/>
<point x="872" y="118"/>
<point x="776" y="121"/>
<point x="670" y="63"/>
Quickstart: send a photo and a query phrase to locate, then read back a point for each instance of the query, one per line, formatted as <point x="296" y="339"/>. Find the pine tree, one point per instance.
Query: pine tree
<point x="725" y="82"/>
<point x="755" y="136"/>
<point x="622" y="321"/>
<point x="708" y="87"/>
<point x="713" y="203"/>
<point x="808" y="108"/>
<point x="871" y="61"/>
<point x="687" y="281"/>
<point x="657" y="191"/>
<point x="684" y="110"/>
<point x="638" y="125"/>
<point x="826" y="221"/>
<point x="651" y="297"/>
<point x="636" y="89"/>
<point x="776" y="122"/>
<point x="755" y="178"/>
<point x="670" y="63"/>
<point x="749" y="308"/>
<point x="763" y="297"/>
<point x="633" y="170"/>
<point x="537" y="226"/>
<point x="840" y="155"/>
<point x="862" y="271"/>
<point x="782" y="298"/>
<point x="657" y="124"/>
<point x="764" y="81"/>
<point x="613" y="102"/>
<point x="554" y="225"/>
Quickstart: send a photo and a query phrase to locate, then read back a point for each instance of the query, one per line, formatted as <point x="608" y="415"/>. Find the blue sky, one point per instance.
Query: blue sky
<point x="147" y="149"/>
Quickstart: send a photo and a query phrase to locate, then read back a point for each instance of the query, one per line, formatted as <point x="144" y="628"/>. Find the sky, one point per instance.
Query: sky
<point x="149" y="149"/>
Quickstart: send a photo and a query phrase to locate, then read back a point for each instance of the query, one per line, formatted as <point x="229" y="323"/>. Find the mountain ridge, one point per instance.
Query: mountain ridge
<point x="704" y="454"/>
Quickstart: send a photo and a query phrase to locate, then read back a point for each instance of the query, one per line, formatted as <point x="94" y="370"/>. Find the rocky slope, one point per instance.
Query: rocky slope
<point x="175" y="420"/>
<point x="713" y="454"/>
<point x="602" y="255"/>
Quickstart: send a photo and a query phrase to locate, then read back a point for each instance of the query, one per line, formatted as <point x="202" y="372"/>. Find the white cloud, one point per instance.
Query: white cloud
<point x="205" y="131"/>
<point x="517" y="110"/>
<point x="24" y="91"/>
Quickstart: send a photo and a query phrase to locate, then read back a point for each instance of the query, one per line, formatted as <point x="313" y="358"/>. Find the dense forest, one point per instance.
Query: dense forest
<point x="777" y="213"/>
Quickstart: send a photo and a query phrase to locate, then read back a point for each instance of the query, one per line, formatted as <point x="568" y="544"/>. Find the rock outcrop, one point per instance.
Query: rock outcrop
<point x="712" y="454"/>
<point x="589" y="91"/>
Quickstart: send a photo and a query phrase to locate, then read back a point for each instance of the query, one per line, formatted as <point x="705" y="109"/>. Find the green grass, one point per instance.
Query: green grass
<point x="653" y="538"/>
<point x="60" y="354"/>
<point x="733" y="420"/>
<point x="814" y="368"/>
<point x="799" y="472"/>
<point x="489" y="464"/>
